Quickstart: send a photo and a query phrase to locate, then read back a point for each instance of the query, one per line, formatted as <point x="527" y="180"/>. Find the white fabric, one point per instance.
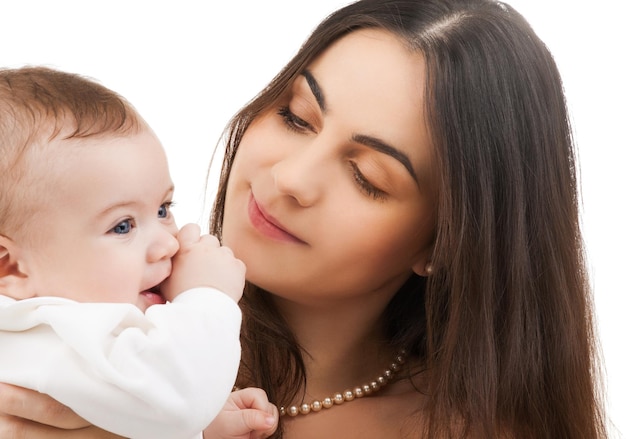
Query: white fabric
<point x="164" y="374"/>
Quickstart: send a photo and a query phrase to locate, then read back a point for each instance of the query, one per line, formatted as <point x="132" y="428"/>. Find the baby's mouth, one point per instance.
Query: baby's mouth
<point x="154" y="295"/>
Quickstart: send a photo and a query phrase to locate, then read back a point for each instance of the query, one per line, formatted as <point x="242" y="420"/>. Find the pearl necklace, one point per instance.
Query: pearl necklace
<point x="349" y="394"/>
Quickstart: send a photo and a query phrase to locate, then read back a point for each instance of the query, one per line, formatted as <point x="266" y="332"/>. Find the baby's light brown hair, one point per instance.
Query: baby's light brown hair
<point x="37" y="106"/>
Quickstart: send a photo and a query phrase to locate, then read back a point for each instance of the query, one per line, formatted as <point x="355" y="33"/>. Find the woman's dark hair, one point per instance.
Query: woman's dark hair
<point x="504" y="324"/>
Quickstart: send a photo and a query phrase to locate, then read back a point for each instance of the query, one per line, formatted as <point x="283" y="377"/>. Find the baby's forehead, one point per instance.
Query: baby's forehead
<point x="52" y="156"/>
<point x="63" y="136"/>
<point x="54" y="169"/>
<point x="50" y="147"/>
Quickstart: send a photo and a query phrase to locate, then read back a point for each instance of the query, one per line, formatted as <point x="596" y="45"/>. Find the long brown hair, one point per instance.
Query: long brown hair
<point x="505" y="322"/>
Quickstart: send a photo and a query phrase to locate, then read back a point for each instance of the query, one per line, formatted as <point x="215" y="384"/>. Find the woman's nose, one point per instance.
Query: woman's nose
<point x="164" y="245"/>
<point x="301" y="175"/>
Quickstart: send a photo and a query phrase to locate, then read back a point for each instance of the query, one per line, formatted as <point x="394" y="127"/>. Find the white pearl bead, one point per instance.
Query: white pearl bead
<point x="348" y="394"/>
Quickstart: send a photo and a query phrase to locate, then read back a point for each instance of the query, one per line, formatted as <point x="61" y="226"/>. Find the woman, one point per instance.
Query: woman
<point x="404" y="197"/>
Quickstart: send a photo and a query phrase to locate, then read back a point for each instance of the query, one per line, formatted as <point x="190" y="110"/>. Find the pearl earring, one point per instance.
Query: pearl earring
<point x="428" y="268"/>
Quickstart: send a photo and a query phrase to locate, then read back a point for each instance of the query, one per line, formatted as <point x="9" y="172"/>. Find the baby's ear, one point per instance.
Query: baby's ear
<point x="13" y="279"/>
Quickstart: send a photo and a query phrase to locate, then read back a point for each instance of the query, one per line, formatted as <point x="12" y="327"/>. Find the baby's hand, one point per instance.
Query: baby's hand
<point x="246" y="415"/>
<point x="202" y="262"/>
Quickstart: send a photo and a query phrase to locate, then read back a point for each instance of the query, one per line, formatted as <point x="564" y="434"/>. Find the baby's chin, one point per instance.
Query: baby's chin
<point x="147" y="299"/>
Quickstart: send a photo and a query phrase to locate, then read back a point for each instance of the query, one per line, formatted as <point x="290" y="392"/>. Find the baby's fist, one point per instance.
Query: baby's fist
<point x="202" y="262"/>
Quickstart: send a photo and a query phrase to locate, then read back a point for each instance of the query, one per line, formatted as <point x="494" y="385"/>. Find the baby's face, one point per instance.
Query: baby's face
<point x="106" y="230"/>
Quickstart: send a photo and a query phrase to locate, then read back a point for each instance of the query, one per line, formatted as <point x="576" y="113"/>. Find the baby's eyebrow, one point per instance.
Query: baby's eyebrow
<point x="129" y="203"/>
<point x="118" y="205"/>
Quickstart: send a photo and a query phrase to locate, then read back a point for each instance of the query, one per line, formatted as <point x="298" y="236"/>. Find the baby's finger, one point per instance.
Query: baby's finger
<point x="188" y="234"/>
<point x="255" y="398"/>
<point x="210" y="240"/>
<point x="259" y="422"/>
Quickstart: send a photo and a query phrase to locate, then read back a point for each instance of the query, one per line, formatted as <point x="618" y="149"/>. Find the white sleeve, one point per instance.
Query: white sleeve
<point x="162" y="375"/>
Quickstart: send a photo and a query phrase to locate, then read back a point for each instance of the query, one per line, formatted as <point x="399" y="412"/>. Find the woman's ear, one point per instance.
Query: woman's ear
<point x="13" y="278"/>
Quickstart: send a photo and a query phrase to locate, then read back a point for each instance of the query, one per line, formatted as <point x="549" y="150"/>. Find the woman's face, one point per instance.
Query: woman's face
<point x="331" y="193"/>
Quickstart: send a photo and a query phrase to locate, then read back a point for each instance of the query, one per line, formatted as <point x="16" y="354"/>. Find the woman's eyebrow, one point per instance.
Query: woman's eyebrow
<point x="380" y="146"/>
<point x="315" y="89"/>
<point x="368" y="141"/>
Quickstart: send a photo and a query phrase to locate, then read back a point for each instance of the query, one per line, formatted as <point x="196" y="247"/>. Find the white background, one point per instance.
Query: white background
<point x="189" y="65"/>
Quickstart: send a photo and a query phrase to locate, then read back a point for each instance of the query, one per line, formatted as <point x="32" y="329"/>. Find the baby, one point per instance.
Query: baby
<point x="89" y="255"/>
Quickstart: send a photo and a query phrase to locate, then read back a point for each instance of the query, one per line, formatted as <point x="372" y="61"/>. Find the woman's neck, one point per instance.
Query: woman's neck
<point x="344" y="343"/>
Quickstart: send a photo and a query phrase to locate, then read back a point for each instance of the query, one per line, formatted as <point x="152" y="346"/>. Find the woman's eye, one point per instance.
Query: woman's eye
<point x="123" y="227"/>
<point x="164" y="209"/>
<point x="368" y="188"/>
<point x="294" y="122"/>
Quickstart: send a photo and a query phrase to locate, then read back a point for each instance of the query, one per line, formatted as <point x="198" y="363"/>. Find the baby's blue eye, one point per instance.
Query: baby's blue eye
<point x="123" y="227"/>
<point x="164" y="210"/>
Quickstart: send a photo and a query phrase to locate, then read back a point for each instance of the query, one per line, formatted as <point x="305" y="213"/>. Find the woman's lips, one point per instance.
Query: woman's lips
<point x="267" y="225"/>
